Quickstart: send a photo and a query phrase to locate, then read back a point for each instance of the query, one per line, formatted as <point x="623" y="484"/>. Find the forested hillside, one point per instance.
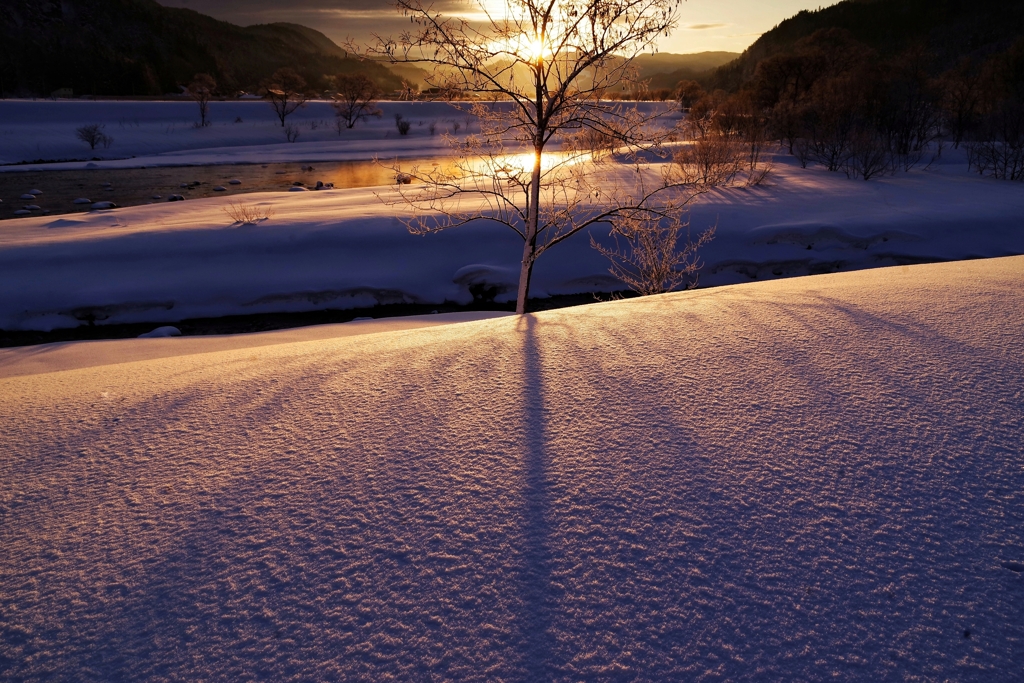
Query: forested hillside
<point x="137" y="47"/>
<point x="947" y="29"/>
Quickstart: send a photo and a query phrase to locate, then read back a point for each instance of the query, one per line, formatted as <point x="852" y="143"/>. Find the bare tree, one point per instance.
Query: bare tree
<point x="688" y="93"/>
<point x="355" y="99"/>
<point x="201" y="90"/>
<point x="286" y="92"/>
<point x="538" y="69"/>
<point x="93" y="135"/>
<point x="647" y="257"/>
<point x="997" y="146"/>
<point x="962" y="90"/>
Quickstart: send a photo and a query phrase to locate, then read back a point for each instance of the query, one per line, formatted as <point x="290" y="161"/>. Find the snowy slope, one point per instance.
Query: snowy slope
<point x="346" y="249"/>
<point x="806" y="479"/>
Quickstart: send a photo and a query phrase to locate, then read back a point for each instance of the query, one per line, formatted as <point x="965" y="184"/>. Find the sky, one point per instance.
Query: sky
<point x="704" y="25"/>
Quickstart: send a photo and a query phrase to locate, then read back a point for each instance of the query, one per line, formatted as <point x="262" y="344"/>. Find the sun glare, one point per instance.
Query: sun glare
<point x="534" y="49"/>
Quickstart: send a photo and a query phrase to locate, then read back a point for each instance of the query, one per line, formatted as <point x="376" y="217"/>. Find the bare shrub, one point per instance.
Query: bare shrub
<point x="647" y="256"/>
<point x="759" y="174"/>
<point x="201" y="91"/>
<point x="598" y="143"/>
<point x="1000" y="150"/>
<point x="248" y="214"/>
<point x="291" y="132"/>
<point x="963" y="94"/>
<point x="93" y="135"/>
<point x="868" y="156"/>
<point x="997" y="147"/>
<point x="710" y="160"/>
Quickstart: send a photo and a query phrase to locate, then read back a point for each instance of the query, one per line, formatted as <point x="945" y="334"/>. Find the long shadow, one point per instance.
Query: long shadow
<point x="535" y="619"/>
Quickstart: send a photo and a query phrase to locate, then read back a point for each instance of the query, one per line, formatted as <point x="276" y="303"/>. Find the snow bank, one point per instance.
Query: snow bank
<point x="803" y="479"/>
<point x="345" y="249"/>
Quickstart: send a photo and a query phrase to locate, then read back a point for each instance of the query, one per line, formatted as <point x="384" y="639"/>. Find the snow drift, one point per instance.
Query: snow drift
<point x="803" y="479"/>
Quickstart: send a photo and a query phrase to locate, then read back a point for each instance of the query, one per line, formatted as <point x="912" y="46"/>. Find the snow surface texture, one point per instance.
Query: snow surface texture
<point x="346" y="249"/>
<point x="806" y="479"/>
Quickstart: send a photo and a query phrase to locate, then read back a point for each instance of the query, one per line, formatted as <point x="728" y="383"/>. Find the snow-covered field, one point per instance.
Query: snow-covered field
<point x="346" y="249"/>
<point x="165" y="134"/>
<point x="805" y="479"/>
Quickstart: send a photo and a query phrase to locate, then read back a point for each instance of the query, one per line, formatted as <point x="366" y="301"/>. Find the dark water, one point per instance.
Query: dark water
<point x="135" y="186"/>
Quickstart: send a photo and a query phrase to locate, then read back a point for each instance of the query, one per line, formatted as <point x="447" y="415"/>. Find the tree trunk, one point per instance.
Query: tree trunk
<point x="530" y="246"/>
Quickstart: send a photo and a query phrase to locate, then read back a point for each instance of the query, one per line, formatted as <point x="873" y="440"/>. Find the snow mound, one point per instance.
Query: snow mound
<point x="83" y="200"/>
<point x="104" y="205"/>
<point x="164" y="331"/>
<point x="488" y="282"/>
<point x="792" y="480"/>
<point x="65" y="223"/>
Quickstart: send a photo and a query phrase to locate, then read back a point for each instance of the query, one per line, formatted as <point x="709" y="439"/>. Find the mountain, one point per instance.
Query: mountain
<point x="665" y="69"/>
<point x="948" y="29"/>
<point x="138" y="47"/>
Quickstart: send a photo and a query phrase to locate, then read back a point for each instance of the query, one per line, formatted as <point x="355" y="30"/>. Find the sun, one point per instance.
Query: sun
<point x="534" y="49"/>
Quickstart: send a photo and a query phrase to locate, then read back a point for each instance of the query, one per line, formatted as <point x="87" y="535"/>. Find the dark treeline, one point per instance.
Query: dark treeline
<point x="867" y="110"/>
<point x="137" y="47"/>
<point x="948" y="29"/>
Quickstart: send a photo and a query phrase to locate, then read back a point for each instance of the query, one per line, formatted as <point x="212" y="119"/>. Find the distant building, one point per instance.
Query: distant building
<point x="65" y="93"/>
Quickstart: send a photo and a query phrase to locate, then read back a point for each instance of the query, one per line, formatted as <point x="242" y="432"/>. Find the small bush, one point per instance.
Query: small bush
<point x="291" y="132"/>
<point x="649" y="258"/>
<point x="248" y="214"/>
<point x="93" y="135"/>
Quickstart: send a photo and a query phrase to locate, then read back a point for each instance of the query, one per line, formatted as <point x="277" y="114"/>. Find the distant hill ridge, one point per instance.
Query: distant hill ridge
<point x="949" y="29"/>
<point x="665" y="69"/>
<point x="138" y="47"/>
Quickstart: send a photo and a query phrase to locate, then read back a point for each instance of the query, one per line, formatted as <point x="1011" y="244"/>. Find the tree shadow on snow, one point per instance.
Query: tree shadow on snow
<point x="536" y="609"/>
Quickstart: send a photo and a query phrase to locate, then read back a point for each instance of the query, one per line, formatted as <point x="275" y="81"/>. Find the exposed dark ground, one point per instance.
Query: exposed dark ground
<point x="265" y="322"/>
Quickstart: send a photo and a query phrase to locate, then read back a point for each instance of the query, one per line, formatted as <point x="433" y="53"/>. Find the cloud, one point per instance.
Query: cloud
<point x="703" y="27"/>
